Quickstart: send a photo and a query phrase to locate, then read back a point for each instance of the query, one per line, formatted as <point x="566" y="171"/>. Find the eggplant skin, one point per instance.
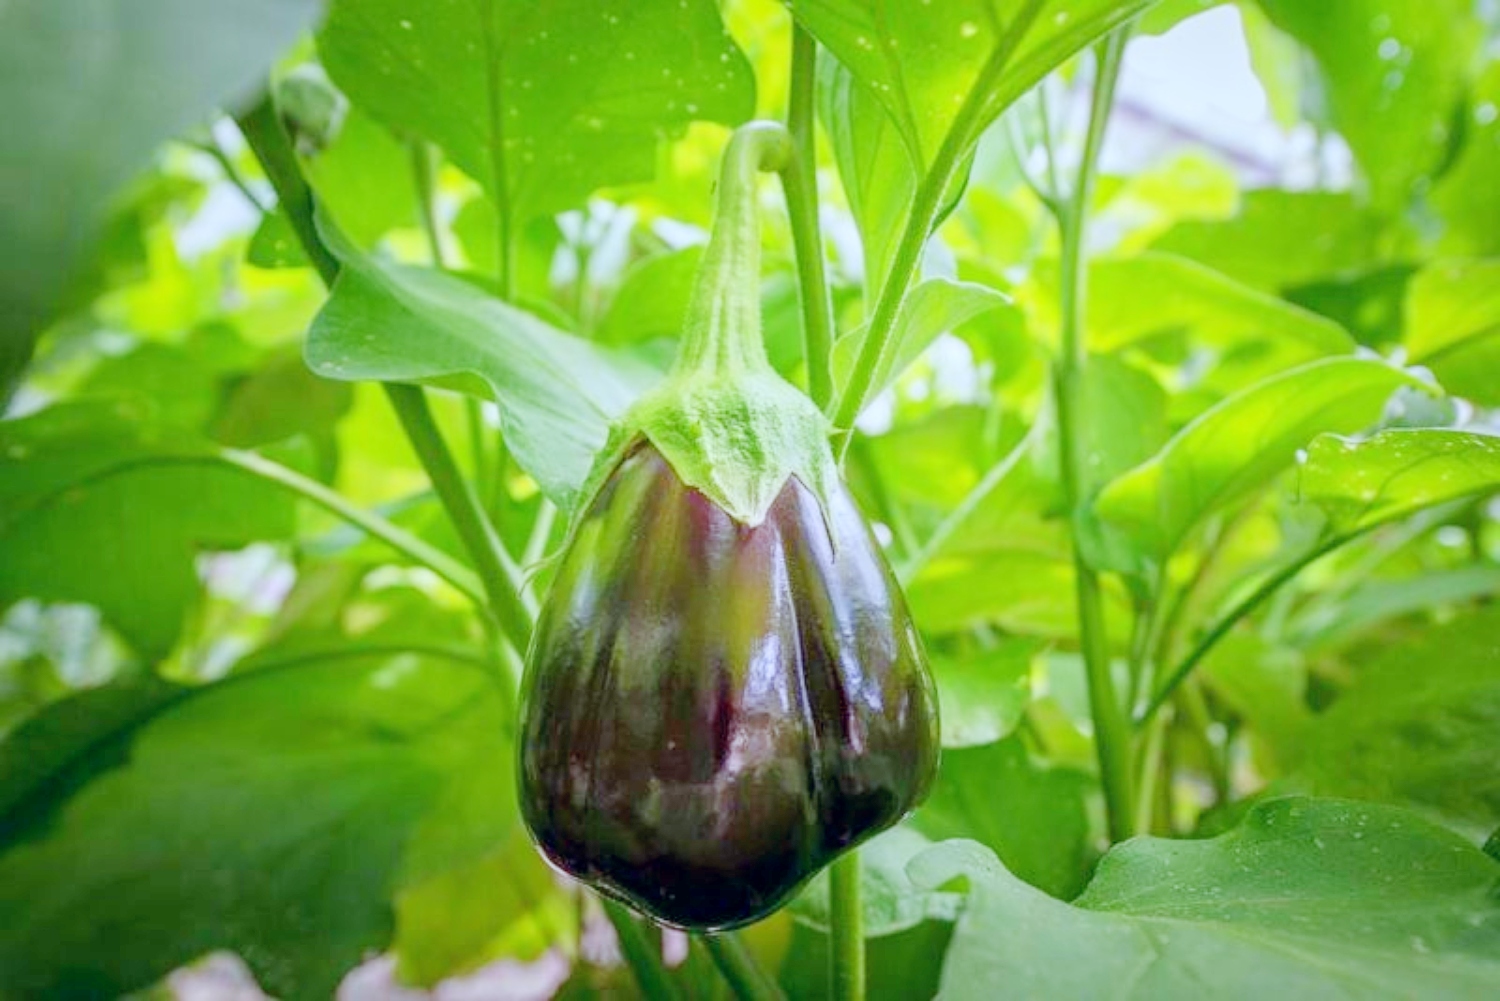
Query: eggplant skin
<point x="712" y="712"/>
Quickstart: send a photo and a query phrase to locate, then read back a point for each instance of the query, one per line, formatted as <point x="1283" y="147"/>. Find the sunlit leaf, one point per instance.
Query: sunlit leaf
<point x="557" y="393"/>
<point x="1360" y="483"/>
<point x="541" y="104"/>
<point x="1453" y="326"/>
<point x="1241" y="444"/>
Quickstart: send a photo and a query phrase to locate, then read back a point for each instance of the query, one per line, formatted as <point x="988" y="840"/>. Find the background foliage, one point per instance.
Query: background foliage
<point x="257" y="666"/>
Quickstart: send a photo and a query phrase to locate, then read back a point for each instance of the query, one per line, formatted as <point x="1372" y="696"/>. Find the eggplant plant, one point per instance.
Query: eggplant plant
<point x="708" y="498"/>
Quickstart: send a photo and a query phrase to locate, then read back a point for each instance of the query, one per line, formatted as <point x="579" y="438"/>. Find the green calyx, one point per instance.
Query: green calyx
<point x="728" y="424"/>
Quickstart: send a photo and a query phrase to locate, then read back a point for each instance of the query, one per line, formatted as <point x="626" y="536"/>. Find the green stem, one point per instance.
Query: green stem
<point x="372" y="525"/>
<point x="422" y="176"/>
<point x="1111" y="725"/>
<point x="1194" y="710"/>
<point x="1151" y="772"/>
<point x="800" y="181"/>
<point x="497" y="572"/>
<point x="641" y="955"/>
<point x="502" y="578"/>
<point x="743" y="974"/>
<point x="1230" y="619"/>
<point x="920" y="221"/>
<point x="846" y="940"/>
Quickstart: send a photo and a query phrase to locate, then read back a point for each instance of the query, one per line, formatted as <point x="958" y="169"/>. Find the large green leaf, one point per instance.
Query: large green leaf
<point x="270" y="814"/>
<point x="1306" y="898"/>
<point x="540" y="103"/>
<point x="1395" y="73"/>
<point x="1239" y="445"/>
<point x="1395" y="473"/>
<point x="923" y="60"/>
<point x="97" y="508"/>
<point x="1453" y="326"/>
<point x="557" y="393"/>
<point x="1420" y="726"/>
<point x="89" y="89"/>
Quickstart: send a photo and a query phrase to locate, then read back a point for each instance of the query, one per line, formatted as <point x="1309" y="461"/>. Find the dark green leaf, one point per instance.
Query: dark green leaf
<point x="1420" y="726"/>
<point x="89" y="90"/>
<point x="268" y="814"/>
<point x="1288" y="902"/>
<point x="96" y="508"/>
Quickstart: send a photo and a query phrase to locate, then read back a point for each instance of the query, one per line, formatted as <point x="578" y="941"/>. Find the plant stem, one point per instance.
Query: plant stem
<point x="800" y="181"/>
<point x="846" y="939"/>
<point x="643" y="958"/>
<point x="497" y="572"/>
<point x="373" y="525"/>
<point x="920" y="221"/>
<point x="1111" y="725"/>
<point x="501" y="577"/>
<point x="744" y="975"/>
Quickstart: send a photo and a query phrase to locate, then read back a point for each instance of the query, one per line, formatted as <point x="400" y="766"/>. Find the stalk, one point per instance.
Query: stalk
<point x="643" y="958"/>
<point x="846" y="944"/>
<point x="262" y="129"/>
<point x="800" y="181"/>
<point x="1111" y="725"/>
<point x="739" y="969"/>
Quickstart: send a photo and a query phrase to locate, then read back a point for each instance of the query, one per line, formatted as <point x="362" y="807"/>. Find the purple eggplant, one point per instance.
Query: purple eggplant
<point x="716" y="711"/>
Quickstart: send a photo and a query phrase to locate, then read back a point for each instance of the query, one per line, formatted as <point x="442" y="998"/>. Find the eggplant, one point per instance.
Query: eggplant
<point x="716" y="711"/>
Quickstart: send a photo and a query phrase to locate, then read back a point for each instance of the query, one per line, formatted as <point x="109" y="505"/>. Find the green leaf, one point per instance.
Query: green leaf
<point x="1395" y="73"/>
<point x="1135" y="299"/>
<point x="1466" y="197"/>
<point x="924" y="60"/>
<point x="1453" y="326"/>
<point x="890" y="902"/>
<point x="267" y="814"/>
<point x="1363" y="483"/>
<point x="984" y="696"/>
<point x="89" y="91"/>
<point x="1239" y="445"/>
<point x="557" y="394"/>
<point x="1286" y="903"/>
<point x="651" y="301"/>
<point x="1033" y="816"/>
<point x="932" y="308"/>
<point x="541" y="104"/>
<point x="1420" y="727"/>
<point x="1282" y="238"/>
<point x="364" y="178"/>
<point x="97" y="508"/>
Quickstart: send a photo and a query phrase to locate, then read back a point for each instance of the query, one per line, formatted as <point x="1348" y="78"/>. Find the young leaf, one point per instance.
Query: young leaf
<point x="1465" y="196"/>
<point x="540" y="103"/>
<point x="1453" y="326"/>
<point x="1419" y="727"/>
<point x="932" y="308"/>
<point x="557" y="393"/>
<point x="89" y="90"/>
<point x="267" y="814"/>
<point x="98" y="509"/>
<point x="923" y="61"/>
<point x="1284" y="902"/>
<point x="1241" y="444"/>
<point x="1362" y="483"/>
